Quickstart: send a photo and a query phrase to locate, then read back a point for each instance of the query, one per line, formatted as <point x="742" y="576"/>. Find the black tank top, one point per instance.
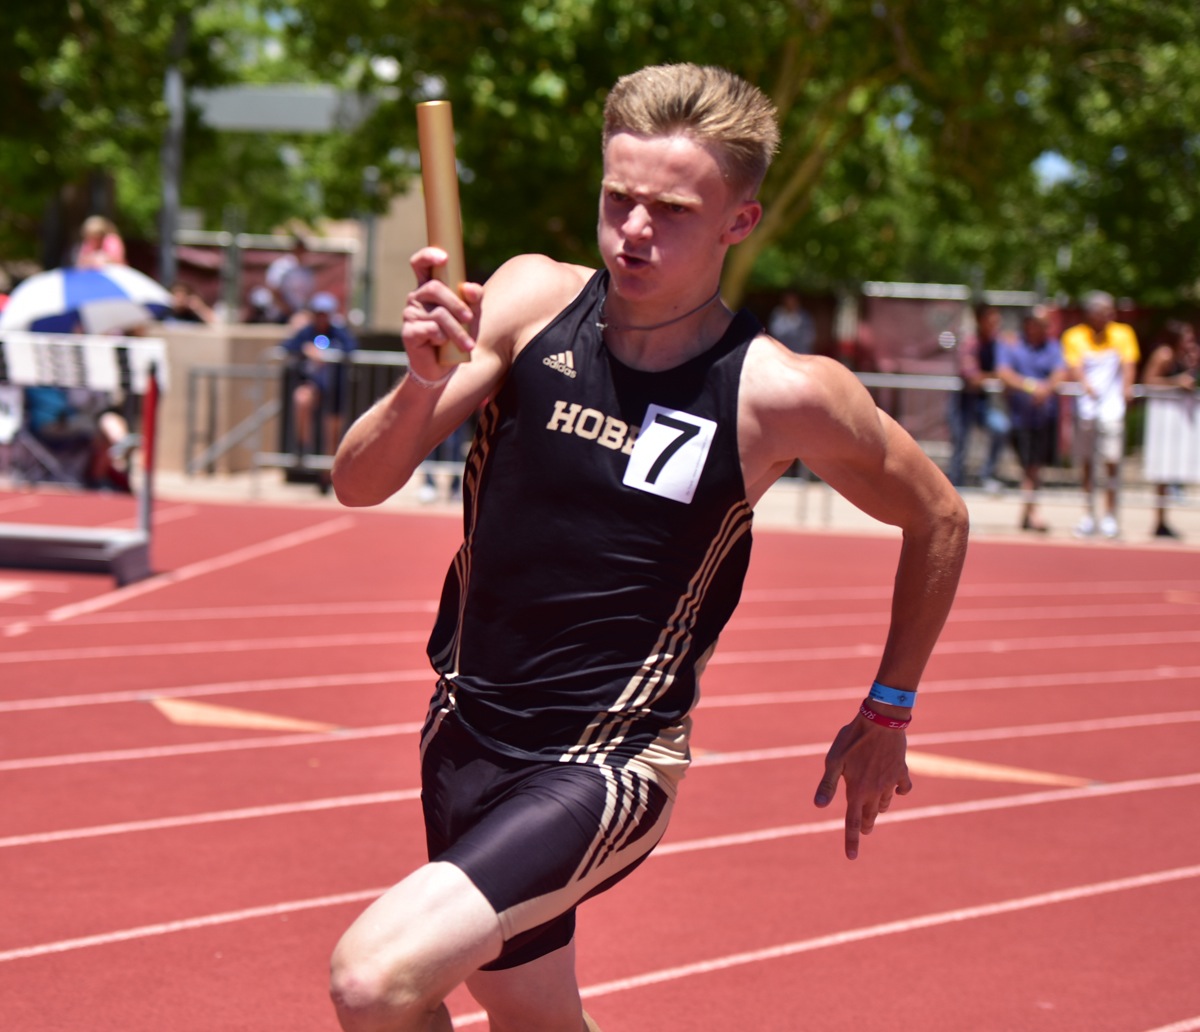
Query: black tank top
<point x="606" y="538"/>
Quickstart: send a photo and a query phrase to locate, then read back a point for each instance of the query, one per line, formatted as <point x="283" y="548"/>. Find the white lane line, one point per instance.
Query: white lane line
<point x="963" y="615"/>
<point x="301" y="610"/>
<point x="161" y="515"/>
<point x="912" y="924"/>
<point x="1055" y="643"/>
<point x="190" y="648"/>
<point x="189" y="924"/>
<point x="1040" y="590"/>
<point x="669" y="974"/>
<point x="248" y="813"/>
<point x="1143" y="677"/>
<point x="289" y="611"/>
<point x="988" y="734"/>
<point x="1187" y="1025"/>
<point x="669" y="848"/>
<point x="921" y="813"/>
<point x="784" y="752"/>
<point x="903" y="927"/>
<point x="200" y="748"/>
<point x="200" y="569"/>
<point x="856" y="650"/>
<point x="264" y="684"/>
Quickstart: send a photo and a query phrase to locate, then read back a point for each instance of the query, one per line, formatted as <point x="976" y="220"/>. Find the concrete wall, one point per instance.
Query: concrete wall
<point x="222" y="402"/>
<point x="218" y="402"/>
<point x="398" y="234"/>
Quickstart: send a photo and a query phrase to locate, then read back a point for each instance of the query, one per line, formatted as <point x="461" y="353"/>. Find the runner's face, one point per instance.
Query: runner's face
<point x="667" y="216"/>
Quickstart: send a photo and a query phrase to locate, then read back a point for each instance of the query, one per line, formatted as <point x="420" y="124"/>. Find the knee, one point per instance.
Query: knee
<point x="305" y="396"/>
<point x="371" y="997"/>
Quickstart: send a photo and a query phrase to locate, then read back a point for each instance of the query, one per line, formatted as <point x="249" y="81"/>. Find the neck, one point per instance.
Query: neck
<point x="664" y="345"/>
<point x="602" y="323"/>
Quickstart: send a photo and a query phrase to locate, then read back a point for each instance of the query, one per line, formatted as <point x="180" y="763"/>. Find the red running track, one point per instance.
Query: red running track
<point x="162" y="868"/>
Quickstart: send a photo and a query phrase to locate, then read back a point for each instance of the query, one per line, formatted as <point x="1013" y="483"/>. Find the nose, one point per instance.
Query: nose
<point x="637" y="222"/>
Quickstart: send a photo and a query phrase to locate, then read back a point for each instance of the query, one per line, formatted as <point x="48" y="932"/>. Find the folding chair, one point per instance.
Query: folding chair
<point x="33" y="460"/>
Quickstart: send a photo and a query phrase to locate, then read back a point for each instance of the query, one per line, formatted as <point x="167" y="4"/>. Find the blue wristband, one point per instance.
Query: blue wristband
<point x="891" y="696"/>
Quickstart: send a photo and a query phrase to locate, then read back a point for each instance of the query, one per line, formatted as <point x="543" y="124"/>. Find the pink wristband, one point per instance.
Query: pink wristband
<point x="882" y="721"/>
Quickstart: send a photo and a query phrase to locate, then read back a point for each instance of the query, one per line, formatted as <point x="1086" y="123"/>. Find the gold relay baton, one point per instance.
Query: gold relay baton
<point x="443" y="216"/>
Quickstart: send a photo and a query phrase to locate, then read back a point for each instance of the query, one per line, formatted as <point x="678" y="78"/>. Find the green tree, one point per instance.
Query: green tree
<point x="82" y="123"/>
<point x="82" y="83"/>
<point x="910" y="127"/>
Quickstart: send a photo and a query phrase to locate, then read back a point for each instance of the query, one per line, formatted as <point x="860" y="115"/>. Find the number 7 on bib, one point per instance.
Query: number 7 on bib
<point x="670" y="453"/>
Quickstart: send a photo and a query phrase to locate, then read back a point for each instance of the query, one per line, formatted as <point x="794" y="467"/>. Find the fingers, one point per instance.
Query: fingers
<point x="854" y="827"/>
<point x="438" y="325"/>
<point x="436" y="315"/>
<point x="425" y="260"/>
<point x="827" y="789"/>
<point x="862" y="811"/>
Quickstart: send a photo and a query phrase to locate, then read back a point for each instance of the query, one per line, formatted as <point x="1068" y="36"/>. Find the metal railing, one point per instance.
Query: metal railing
<point x="916" y="401"/>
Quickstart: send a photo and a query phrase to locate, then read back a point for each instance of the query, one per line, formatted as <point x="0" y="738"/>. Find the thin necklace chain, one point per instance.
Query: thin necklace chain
<point x="602" y="324"/>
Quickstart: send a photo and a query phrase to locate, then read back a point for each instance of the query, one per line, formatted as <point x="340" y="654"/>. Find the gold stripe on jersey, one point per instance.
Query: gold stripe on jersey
<point x="657" y="672"/>
<point x="440" y="707"/>
<point x="448" y="660"/>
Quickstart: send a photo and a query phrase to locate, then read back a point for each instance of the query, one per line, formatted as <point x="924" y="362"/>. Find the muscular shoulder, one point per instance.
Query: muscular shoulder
<point x="794" y="406"/>
<point x="523" y="295"/>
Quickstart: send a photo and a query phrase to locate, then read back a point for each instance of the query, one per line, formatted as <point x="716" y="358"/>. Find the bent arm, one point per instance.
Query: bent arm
<point x="817" y="411"/>
<point x="873" y="462"/>
<point x="385" y="445"/>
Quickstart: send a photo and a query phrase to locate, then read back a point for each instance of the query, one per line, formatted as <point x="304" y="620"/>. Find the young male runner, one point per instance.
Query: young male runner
<point x="608" y="498"/>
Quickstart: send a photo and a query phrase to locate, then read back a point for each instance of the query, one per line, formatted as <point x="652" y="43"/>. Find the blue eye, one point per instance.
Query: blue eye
<point x="321" y="341"/>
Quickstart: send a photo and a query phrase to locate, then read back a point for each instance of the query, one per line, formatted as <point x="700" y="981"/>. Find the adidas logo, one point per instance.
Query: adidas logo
<point x="563" y="362"/>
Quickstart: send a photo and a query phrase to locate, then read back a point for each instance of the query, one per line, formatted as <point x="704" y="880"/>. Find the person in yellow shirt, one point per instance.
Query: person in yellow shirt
<point x="1102" y="355"/>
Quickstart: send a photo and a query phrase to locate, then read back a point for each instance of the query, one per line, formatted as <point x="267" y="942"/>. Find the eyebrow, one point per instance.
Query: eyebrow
<point x="665" y="198"/>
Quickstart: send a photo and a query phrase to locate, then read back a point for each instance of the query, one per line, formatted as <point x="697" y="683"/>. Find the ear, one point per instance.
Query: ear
<point x="745" y="217"/>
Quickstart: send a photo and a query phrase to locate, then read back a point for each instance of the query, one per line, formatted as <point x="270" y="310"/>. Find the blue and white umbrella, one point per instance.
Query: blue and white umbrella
<point x="109" y="300"/>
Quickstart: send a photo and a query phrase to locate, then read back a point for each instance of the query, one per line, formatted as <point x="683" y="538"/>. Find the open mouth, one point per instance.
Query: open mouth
<point x="632" y="261"/>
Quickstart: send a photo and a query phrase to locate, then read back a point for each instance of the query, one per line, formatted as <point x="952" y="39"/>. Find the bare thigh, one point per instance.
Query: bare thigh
<point x="418" y="941"/>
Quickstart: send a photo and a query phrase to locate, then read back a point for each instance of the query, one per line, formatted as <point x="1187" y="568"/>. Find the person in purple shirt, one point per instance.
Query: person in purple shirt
<point x="1031" y="369"/>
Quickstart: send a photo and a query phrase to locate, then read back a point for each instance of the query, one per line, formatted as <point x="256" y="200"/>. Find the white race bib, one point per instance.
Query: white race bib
<point x="670" y="453"/>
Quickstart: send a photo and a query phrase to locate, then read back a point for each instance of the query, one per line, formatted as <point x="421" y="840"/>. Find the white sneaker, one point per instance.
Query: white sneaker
<point x="1108" y="526"/>
<point x="1086" y="527"/>
<point x="427" y="493"/>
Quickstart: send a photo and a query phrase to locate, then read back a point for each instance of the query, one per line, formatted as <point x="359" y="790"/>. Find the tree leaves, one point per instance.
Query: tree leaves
<point x="911" y="129"/>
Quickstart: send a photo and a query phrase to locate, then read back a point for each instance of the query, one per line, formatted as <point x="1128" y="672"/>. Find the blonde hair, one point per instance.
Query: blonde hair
<point x="711" y="105"/>
<point x="97" y="225"/>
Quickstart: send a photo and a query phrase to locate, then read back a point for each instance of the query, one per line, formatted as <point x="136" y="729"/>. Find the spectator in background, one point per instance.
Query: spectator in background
<point x="1172" y="447"/>
<point x="791" y="325"/>
<point x="316" y="350"/>
<point x="1031" y="369"/>
<point x="292" y="281"/>
<point x="100" y="244"/>
<point x="1102" y="355"/>
<point x="187" y="306"/>
<point x="972" y="406"/>
<point x="260" y="307"/>
<point x="83" y="431"/>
